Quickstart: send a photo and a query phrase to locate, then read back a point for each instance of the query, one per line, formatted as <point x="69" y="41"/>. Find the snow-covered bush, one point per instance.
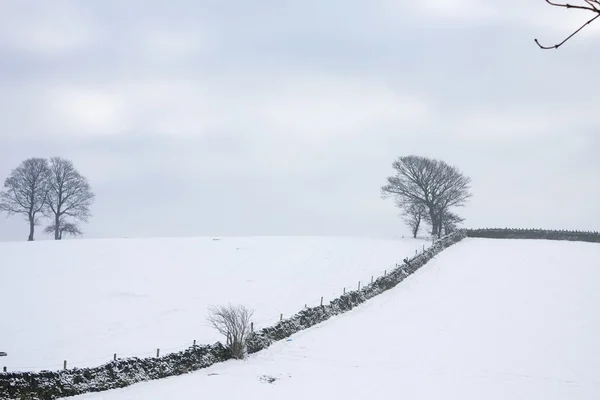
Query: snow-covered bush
<point x="233" y="322"/>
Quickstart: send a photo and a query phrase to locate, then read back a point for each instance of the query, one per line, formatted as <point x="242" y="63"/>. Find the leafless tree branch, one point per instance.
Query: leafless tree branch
<point x="413" y="215"/>
<point x="64" y="228"/>
<point x="450" y="222"/>
<point x="233" y="322"/>
<point x="593" y="6"/>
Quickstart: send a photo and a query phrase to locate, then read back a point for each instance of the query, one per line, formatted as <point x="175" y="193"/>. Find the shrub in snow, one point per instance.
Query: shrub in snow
<point x="233" y="322"/>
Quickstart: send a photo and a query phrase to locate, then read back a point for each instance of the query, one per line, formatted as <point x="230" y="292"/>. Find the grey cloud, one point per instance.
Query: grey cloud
<point x="241" y="118"/>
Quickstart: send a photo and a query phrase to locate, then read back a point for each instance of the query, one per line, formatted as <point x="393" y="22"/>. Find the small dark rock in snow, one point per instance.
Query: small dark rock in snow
<point x="268" y="379"/>
<point x="3" y="354"/>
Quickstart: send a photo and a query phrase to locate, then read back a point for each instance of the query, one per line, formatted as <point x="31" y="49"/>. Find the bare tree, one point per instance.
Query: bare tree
<point x="413" y="215"/>
<point x="233" y="322"/>
<point x="428" y="182"/>
<point x="592" y="5"/>
<point x="26" y="191"/>
<point x="449" y="222"/>
<point x="69" y="194"/>
<point x="65" y="228"/>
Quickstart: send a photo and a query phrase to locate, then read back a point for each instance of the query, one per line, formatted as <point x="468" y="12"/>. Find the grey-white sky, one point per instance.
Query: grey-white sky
<point x="273" y="117"/>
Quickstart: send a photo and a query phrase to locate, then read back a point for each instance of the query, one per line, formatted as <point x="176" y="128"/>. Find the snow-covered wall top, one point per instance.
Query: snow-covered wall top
<point x="492" y="233"/>
<point x="47" y="385"/>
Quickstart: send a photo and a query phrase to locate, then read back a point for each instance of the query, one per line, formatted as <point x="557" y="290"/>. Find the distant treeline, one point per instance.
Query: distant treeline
<point x="494" y="233"/>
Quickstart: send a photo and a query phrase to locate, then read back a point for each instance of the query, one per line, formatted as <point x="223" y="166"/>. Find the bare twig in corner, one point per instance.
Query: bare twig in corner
<point x="592" y="6"/>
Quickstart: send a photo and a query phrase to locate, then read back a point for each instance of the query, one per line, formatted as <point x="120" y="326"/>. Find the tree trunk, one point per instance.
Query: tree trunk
<point x="434" y="223"/>
<point x="56" y="227"/>
<point x="31" y="228"/>
<point x="416" y="229"/>
<point x="440" y="225"/>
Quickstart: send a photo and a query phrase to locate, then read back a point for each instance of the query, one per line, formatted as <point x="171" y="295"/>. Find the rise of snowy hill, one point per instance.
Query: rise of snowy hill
<point x="84" y="300"/>
<point x="486" y="319"/>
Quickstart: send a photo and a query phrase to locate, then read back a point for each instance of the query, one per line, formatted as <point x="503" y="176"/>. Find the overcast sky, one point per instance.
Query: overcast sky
<point x="276" y="117"/>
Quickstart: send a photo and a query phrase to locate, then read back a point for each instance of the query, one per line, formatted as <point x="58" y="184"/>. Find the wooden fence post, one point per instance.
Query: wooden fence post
<point x="321" y="301"/>
<point x="251" y="328"/>
<point x="65" y="364"/>
<point x="385" y="272"/>
<point x="4" y="369"/>
<point x="115" y="357"/>
<point x="344" y="290"/>
<point x="359" y="285"/>
<point x="157" y="353"/>
<point x="281" y="317"/>
<point x="195" y="339"/>
<point x="371" y="279"/>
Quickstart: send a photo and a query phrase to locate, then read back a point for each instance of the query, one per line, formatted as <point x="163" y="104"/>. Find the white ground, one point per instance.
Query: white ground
<point x="85" y="300"/>
<point x="487" y="319"/>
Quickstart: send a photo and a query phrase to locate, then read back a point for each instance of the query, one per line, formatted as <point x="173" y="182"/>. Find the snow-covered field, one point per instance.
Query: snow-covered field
<point x="84" y="300"/>
<point x="486" y="319"/>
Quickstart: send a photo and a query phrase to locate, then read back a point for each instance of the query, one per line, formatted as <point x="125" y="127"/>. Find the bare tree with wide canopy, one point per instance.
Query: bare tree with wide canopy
<point x="428" y="182"/>
<point x="26" y="191"/>
<point x="70" y="195"/>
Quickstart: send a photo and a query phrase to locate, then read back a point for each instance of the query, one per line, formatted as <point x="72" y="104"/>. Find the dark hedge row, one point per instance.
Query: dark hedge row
<point x="534" y="234"/>
<point x="312" y="316"/>
<point x="47" y="385"/>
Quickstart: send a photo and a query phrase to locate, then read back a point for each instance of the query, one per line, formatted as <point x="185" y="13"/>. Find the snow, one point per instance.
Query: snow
<point x="486" y="319"/>
<point x="83" y="300"/>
